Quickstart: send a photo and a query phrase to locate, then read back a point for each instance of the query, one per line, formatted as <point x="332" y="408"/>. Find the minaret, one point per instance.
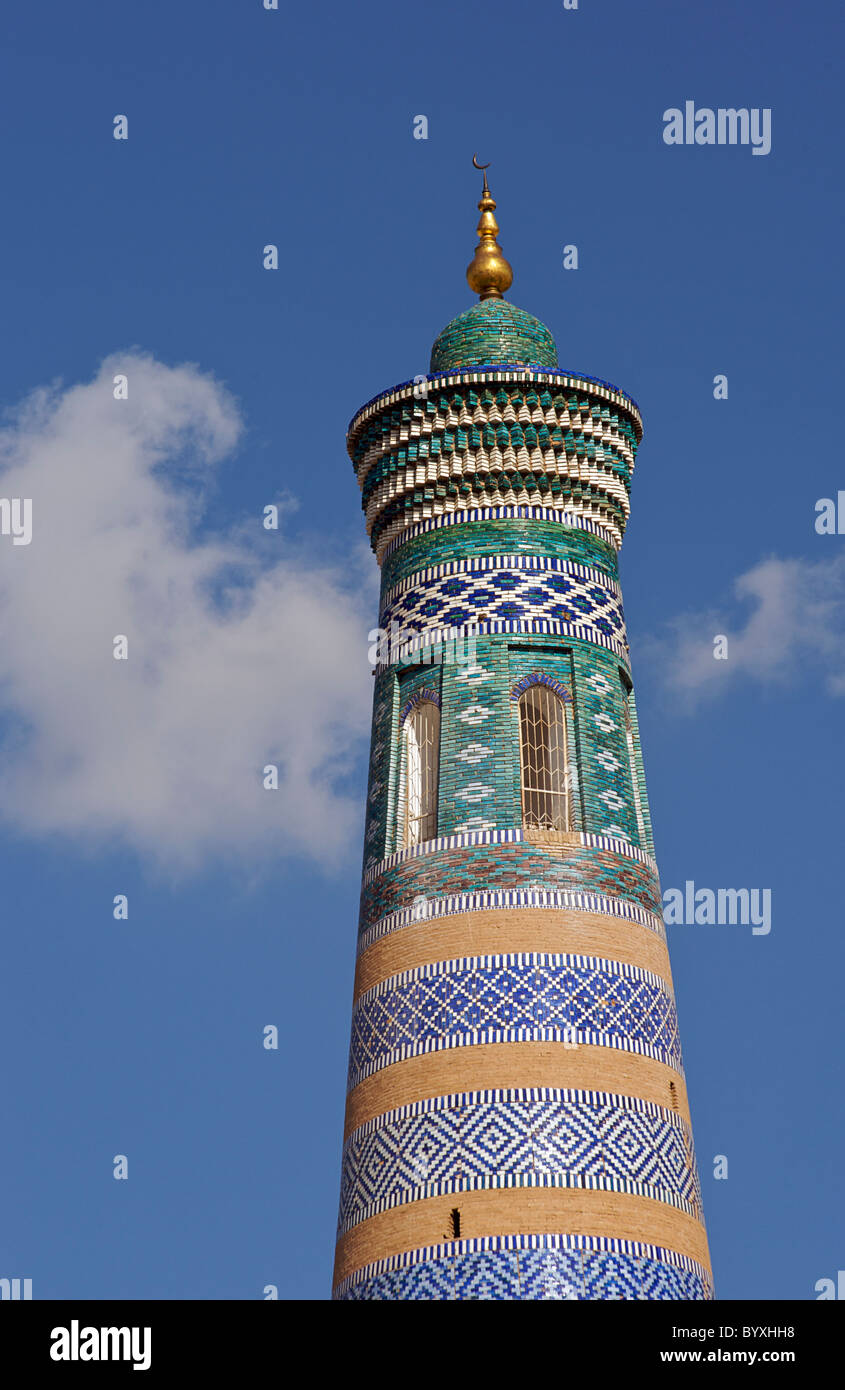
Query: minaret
<point x="517" y="1124"/>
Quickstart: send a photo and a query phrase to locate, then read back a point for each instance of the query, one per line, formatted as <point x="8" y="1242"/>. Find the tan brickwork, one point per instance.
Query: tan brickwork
<point x="525" y="1211"/>
<point x="551" y="838"/>
<point x="494" y="1066"/>
<point x="527" y="929"/>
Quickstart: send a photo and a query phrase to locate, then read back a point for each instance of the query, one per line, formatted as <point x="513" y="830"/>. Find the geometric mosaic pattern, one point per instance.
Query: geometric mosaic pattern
<point x="561" y="1138"/>
<point x="549" y="1268"/>
<point x="547" y="596"/>
<point x="477" y="861"/>
<point x="514" y="998"/>
<point x="490" y="565"/>
<point x="600" y="708"/>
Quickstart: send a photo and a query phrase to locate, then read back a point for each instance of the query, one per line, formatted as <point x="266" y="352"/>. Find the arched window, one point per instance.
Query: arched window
<point x="422" y="770"/>
<point x="544" y="760"/>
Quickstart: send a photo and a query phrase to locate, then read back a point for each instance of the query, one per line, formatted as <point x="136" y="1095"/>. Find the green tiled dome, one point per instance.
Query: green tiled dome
<point x="493" y="331"/>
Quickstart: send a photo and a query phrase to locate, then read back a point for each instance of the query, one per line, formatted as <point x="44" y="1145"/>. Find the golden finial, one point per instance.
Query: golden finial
<point x="488" y="273"/>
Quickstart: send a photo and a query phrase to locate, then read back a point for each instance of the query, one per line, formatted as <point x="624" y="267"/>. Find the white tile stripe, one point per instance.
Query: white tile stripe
<point x="521" y="511"/>
<point x="618" y="847"/>
<point x="435" y="637"/>
<point x="481" y="1036"/>
<point x="407" y="390"/>
<point x="399" y="528"/>
<point x="509" y="835"/>
<point x="609" y="1245"/>
<point x="548" y="899"/>
<point x="442" y="1187"/>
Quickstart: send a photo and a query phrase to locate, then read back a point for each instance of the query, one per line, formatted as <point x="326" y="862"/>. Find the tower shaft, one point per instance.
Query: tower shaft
<point x="517" y="1123"/>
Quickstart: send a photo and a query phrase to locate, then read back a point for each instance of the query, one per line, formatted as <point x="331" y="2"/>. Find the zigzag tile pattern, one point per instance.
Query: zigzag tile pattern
<point x="518" y="1138"/>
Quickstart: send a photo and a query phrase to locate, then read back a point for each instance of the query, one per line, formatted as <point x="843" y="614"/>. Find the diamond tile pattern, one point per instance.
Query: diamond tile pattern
<point x="498" y="998"/>
<point x="486" y="1276"/>
<point x="522" y="596"/>
<point x="468" y="1139"/>
<point x="611" y="1277"/>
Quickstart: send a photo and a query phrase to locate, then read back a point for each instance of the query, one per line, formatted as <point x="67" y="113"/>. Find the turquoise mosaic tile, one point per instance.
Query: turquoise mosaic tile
<point x="493" y="331"/>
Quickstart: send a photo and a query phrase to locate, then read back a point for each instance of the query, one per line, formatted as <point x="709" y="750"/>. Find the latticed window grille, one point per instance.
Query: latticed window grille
<point x="544" y="760"/>
<point x="422" y="771"/>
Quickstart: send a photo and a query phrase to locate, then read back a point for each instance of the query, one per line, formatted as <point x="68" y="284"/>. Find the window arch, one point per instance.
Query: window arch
<point x="422" y="772"/>
<point x="544" y="760"/>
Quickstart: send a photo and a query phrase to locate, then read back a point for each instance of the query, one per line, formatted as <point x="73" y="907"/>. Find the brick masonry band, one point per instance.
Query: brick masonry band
<point x="514" y="1211"/>
<point x="494" y="933"/>
<point x="509" y="1066"/>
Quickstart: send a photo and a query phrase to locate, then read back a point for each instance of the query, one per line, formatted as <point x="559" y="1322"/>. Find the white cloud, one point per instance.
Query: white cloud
<point x="796" y="623"/>
<point x="235" y="660"/>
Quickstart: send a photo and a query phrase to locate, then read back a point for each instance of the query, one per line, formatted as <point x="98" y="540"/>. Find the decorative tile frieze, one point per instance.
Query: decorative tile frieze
<point x="526" y="997"/>
<point x="489" y="599"/>
<point x="492" y="860"/>
<point x="492" y="564"/>
<point x="555" y="1266"/>
<point x="540" y="1137"/>
<point x="513" y="835"/>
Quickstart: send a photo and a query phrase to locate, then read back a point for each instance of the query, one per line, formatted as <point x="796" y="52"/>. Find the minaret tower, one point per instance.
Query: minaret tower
<point x="517" y="1124"/>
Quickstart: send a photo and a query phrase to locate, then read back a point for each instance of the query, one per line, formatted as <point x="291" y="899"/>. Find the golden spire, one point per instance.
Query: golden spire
<point x="488" y="273"/>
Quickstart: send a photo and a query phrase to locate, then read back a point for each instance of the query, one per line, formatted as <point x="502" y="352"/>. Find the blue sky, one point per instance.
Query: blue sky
<point x="249" y="127"/>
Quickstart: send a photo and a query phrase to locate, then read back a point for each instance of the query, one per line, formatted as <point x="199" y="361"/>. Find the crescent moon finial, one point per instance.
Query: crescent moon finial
<point x="489" y="274"/>
<point x="483" y="169"/>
